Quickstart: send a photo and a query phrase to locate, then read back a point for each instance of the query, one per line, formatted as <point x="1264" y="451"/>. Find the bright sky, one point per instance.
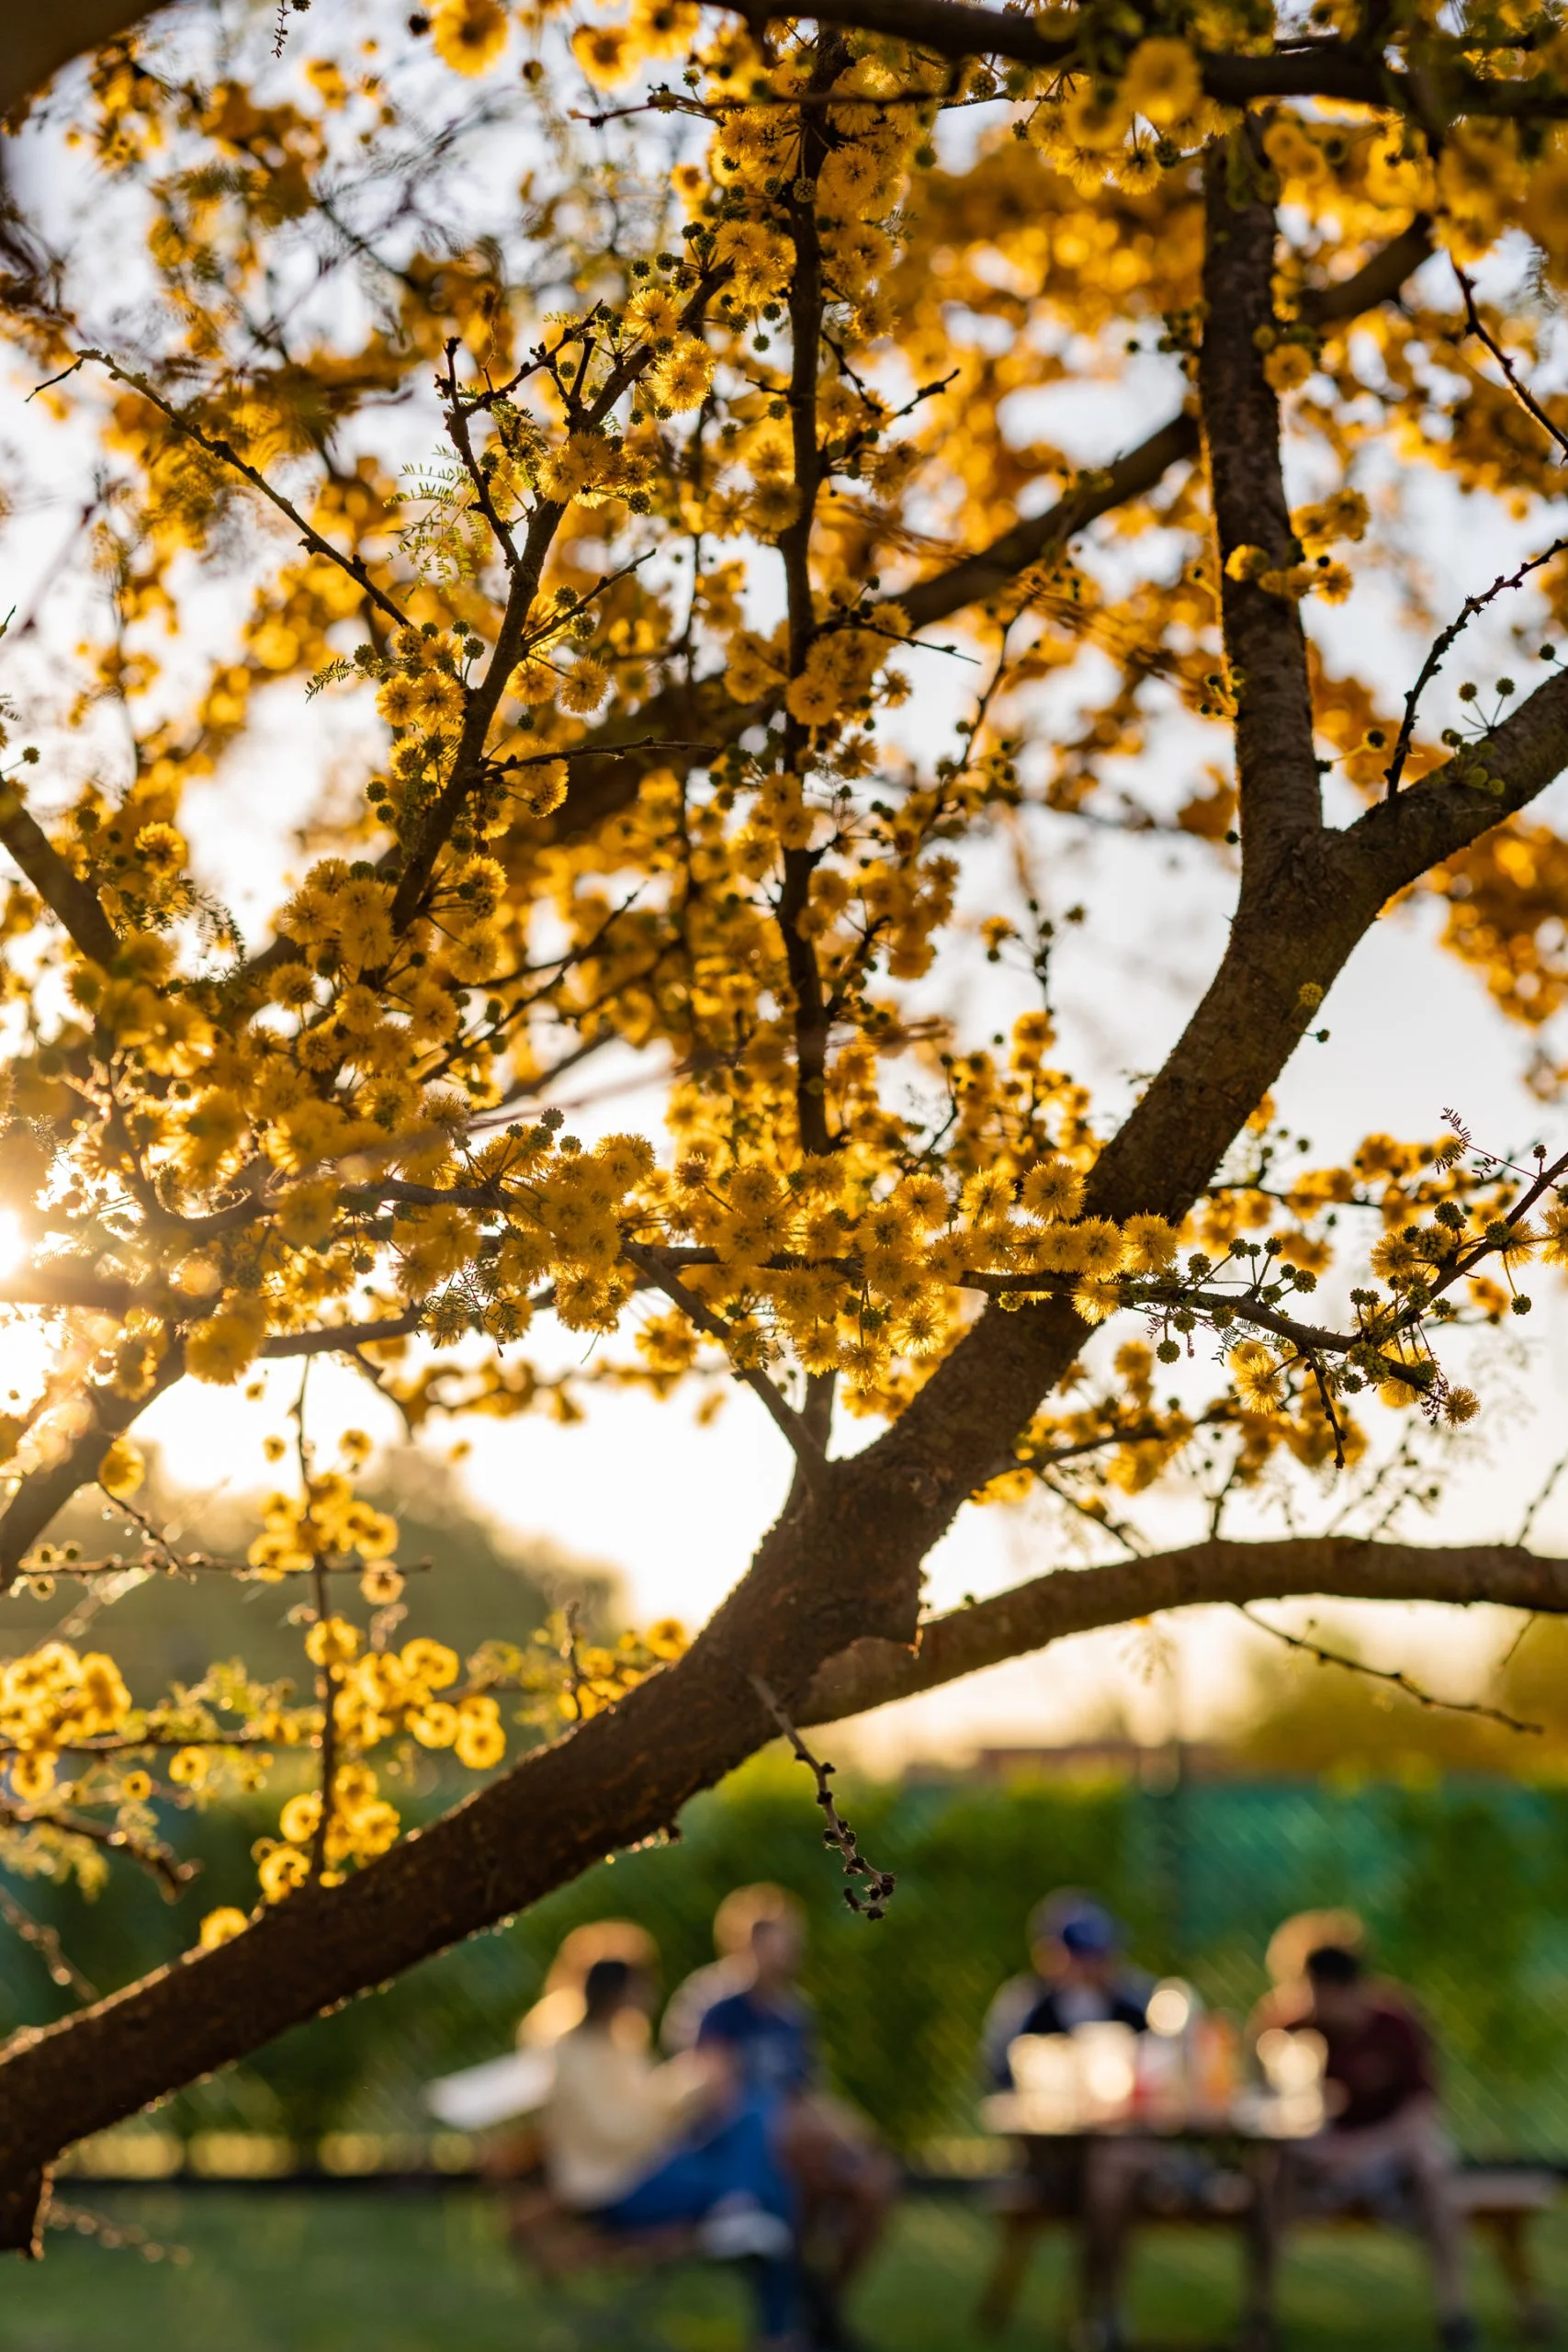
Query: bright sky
<point x="678" y="1508"/>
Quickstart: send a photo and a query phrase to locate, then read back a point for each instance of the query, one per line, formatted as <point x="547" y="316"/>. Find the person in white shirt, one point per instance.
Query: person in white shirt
<point x="640" y="2146"/>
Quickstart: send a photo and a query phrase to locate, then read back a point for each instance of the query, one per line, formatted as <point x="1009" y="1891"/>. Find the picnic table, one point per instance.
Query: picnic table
<point x="1230" y="2145"/>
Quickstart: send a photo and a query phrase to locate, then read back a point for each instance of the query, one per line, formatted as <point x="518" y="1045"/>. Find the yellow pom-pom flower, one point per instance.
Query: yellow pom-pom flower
<point x="221" y="1927"/>
<point x="469" y="34"/>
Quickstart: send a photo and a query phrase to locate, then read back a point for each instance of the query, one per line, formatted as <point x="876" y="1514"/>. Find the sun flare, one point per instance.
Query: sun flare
<point x="13" y="1244"/>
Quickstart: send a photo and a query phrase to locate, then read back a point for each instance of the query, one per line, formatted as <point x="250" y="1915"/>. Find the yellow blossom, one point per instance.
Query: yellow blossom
<point x="469" y="34"/>
<point x="221" y="1927"/>
<point x="1162" y="82"/>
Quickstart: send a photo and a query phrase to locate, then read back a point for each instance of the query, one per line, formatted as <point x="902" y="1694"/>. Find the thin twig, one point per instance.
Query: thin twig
<point x="190" y="1564"/>
<point x="1542" y="1496"/>
<point x="116" y="2237"/>
<point x="809" y="1453"/>
<point x="226" y="454"/>
<point x="597" y="751"/>
<point x="1440" y="647"/>
<point x="160" y="1861"/>
<point x="572" y="1627"/>
<point x="1393" y="1677"/>
<point x="45" y="1941"/>
<point x="837" y="1834"/>
<point x="1520" y="390"/>
<point x="326" y="1674"/>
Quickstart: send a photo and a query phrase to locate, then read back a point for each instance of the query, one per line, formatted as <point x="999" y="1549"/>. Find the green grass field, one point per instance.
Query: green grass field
<point x="358" y="2271"/>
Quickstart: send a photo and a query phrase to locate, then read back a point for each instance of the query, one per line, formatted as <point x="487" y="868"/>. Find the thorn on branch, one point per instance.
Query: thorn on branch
<point x="838" y="1833"/>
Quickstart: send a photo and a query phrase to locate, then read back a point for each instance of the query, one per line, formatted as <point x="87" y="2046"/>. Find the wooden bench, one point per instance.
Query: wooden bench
<point x="553" y="2240"/>
<point x="1501" y="2203"/>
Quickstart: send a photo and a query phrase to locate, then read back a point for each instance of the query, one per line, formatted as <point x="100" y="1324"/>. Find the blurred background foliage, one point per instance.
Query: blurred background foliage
<point x="467" y="1581"/>
<point x="1463" y="1883"/>
<point x="1447" y="1831"/>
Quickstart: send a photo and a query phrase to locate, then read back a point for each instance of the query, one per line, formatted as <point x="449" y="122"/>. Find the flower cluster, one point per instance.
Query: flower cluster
<point x="744" y="427"/>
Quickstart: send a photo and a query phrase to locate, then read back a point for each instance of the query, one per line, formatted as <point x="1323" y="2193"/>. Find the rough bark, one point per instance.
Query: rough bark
<point x="1265" y="642"/>
<point x="39" y="41"/>
<point x="843" y="1562"/>
<point x="1048" y="1609"/>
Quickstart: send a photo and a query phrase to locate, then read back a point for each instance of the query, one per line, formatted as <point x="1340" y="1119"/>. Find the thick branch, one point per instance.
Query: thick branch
<point x="1048" y="1609"/>
<point x="620" y="1777"/>
<point x="46" y="1491"/>
<point x="75" y="903"/>
<point x="484" y="699"/>
<point x="1326" y="68"/>
<point x="39" y="41"/>
<point x="1399" y="840"/>
<point x="1265" y="642"/>
<point x="993" y="569"/>
<point x="67" y="1282"/>
<point x="327" y="1339"/>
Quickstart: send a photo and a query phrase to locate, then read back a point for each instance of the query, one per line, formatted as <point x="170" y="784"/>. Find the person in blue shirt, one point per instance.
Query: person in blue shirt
<point x="749" y="2007"/>
<point x="764" y="2025"/>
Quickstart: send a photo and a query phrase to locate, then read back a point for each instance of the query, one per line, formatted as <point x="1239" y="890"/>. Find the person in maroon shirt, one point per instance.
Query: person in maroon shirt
<point x="1382" y="2144"/>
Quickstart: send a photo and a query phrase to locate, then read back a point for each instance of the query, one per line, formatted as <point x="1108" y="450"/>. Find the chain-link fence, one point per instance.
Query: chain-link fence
<point x="1463" y="1887"/>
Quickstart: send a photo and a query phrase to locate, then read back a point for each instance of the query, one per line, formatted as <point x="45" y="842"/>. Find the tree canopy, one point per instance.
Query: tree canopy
<point x="602" y="460"/>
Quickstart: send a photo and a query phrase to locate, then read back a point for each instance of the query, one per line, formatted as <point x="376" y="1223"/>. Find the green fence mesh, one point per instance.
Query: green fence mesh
<point x="1463" y="1886"/>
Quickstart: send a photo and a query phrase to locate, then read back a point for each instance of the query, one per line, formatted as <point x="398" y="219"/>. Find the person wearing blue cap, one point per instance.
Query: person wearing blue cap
<point x="1078" y="1978"/>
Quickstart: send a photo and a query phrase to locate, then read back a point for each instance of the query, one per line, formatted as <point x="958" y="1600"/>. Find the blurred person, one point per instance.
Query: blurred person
<point x="561" y="2003"/>
<point x="1384" y="2143"/>
<point x="749" y="2006"/>
<point x="1079" y="1977"/>
<point x="762" y="2021"/>
<point x="513" y="2091"/>
<point x="637" y="2147"/>
<point x="1289" y="1947"/>
<point x="730" y="1970"/>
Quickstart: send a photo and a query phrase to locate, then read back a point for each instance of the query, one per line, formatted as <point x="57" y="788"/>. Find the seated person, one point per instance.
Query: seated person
<point x="504" y="2098"/>
<point x="560" y="2002"/>
<point x="638" y="2146"/>
<point x="1078" y="1978"/>
<point x="728" y="1972"/>
<point x="1383" y="2142"/>
<point x="762" y="2021"/>
<point x="757" y="2016"/>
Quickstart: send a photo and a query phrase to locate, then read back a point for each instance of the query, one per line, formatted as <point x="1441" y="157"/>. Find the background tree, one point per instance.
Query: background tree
<point x="729" y="414"/>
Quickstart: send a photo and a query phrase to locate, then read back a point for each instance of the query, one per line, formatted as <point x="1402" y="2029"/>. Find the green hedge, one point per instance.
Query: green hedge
<point x="1464" y="1886"/>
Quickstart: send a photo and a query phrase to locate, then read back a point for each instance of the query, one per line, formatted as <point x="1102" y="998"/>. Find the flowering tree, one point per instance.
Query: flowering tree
<point x="719" y="416"/>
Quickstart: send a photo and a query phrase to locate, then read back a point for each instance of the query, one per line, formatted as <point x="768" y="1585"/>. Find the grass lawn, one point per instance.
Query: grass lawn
<point x="281" y="2270"/>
